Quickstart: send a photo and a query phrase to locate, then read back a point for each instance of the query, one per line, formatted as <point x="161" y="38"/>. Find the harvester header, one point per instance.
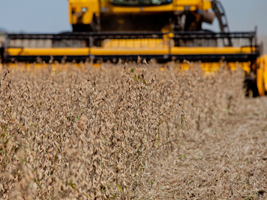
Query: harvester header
<point x="193" y="46"/>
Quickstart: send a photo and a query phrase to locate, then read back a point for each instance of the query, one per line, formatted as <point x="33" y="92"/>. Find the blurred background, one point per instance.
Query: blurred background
<point x="50" y="16"/>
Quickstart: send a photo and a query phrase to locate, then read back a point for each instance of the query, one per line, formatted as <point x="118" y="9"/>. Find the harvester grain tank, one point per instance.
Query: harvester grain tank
<point x="165" y="30"/>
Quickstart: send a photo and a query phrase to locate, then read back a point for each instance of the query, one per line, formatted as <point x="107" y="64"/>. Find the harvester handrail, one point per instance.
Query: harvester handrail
<point x="135" y="35"/>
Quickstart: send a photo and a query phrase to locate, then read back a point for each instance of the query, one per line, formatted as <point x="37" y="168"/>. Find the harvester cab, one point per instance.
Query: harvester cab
<point x="139" y="15"/>
<point x="165" y="30"/>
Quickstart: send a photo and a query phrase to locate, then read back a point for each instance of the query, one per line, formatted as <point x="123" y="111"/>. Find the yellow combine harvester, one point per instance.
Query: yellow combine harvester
<point x="165" y="30"/>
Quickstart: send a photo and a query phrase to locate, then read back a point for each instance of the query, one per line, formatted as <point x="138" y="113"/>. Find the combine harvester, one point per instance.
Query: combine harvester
<point x="165" y="30"/>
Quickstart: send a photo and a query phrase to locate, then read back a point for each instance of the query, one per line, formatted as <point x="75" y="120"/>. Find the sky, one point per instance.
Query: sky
<point x="51" y="16"/>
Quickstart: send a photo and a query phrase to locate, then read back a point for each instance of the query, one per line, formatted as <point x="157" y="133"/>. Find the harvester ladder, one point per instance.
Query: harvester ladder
<point x="221" y="16"/>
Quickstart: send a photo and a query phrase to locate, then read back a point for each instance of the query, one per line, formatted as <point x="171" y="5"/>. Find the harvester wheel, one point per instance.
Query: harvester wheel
<point x="251" y="88"/>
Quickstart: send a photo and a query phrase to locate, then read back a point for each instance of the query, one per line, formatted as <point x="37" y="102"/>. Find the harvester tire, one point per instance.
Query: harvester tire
<point x="251" y="88"/>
